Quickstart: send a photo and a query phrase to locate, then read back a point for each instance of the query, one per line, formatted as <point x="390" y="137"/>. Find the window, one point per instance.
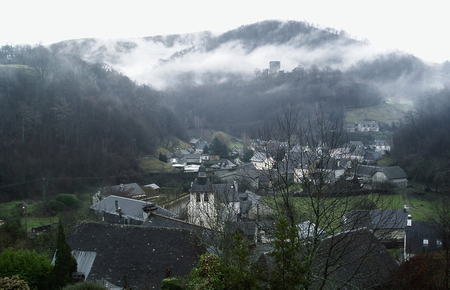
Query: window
<point x="439" y="243"/>
<point x="425" y="242"/>
<point x="198" y="196"/>
<point x="206" y="197"/>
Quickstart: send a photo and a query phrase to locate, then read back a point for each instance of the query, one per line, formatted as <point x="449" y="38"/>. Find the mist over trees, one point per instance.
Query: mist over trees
<point x="422" y="143"/>
<point x="68" y="114"/>
<point x="63" y="118"/>
<point x="240" y="106"/>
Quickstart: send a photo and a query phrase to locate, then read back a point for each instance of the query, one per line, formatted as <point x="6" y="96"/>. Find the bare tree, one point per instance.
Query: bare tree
<point x="309" y="189"/>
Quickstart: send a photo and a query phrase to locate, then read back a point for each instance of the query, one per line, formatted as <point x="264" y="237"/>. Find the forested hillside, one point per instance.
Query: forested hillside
<point x="422" y="142"/>
<point x="72" y="122"/>
<point x="85" y="110"/>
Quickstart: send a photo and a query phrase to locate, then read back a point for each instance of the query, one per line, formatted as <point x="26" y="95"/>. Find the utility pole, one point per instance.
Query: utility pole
<point x="26" y="226"/>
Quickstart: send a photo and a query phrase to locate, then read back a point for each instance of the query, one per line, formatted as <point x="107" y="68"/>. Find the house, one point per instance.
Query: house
<point x="382" y="145"/>
<point x="176" y="159"/>
<point x="245" y="174"/>
<point x="210" y="204"/>
<point x="254" y="207"/>
<point x="347" y="260"/>
<point x="372" y="157"/>
<point x="368" y="126"/>
<point x="357" y="154"/>
<point x="199" y="146"/>
<point x="138" y="256"/>
<point x="350" y="128"/>
<point x="117" y="209"/>
<point x="223" y="164"/>
<point x="364" y="173"/>
<point x="306" y="230"/>
<point x="357" y="144"/>
<point x="130" y="190"/>
<point x="191" y="168"/>
<point x="388" y="224"/>
<point x="205" y="157"/>
<point x="262" y="161"/>
<point x="394" y="175"/>
<point x="152" y="187"/>
<point x="193" y="158"/>
<point x="422" y="237"/>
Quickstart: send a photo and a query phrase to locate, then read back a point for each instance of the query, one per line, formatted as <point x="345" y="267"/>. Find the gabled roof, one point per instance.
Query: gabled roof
<point x="306" y="230"/>
<point x="226" y="193"/>
<point x="375" y="219"/>
<point x="198" y="186"/>
<point x="152" y="186"/>
<point x="417" y="232"/>
<point x="126" y="190"/>
<point x="248" y="201"/>
<point x="85" y="260"/>
<point x="349" y="260"/>
<point x="365" y="170"/>
<point x="373" y="156"/>
<point x="143" y="254"/>
<point x="224" y="164"/>
<point x="129" y="207"/>
<point x="394" y="172"/>
<point x="259" y="157"/>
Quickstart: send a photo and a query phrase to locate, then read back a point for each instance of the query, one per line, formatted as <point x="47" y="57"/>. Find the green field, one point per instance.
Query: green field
<point x="385" y="113"/>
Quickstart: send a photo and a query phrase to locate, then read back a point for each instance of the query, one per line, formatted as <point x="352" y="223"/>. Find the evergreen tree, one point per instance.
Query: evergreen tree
<point x="65" y="263"/>
<point x="206" y="149"/>
<point x="162" y="157"/>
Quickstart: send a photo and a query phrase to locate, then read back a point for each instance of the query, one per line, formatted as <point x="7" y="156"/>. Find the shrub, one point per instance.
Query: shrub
<point x="68" y="199"/>
<point x="55" y="205"/>
<point x="28" y="265"/>
<point x="86" y="285"/>
<point x="171" y="284"/>
<point x="14" y="283"/>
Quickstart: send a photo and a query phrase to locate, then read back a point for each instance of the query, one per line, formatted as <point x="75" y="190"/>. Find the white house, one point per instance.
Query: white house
<point x="262" y="161"/>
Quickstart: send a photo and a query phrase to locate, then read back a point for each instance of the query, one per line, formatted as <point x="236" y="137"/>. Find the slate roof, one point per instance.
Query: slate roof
<point x="223" y="164"/>
<point x="141" y="253"/>
<point x="373" y="156"/>
<point x="129" y="207"/>
<point x="153" y="186"/>
<point x="126" y="190"/>
<point x="375" y="219"/>
<point x="352" y="259"/>
<point x="85" y="260"/>
<point x="226" y="192"/>
<point x="259" y="157"/>
<point x="417" y="232"/>
<point x="198" y="186"/>
<point x="306" y="229"/>
<point x="366" y="170"/>
<point x="394" y="172"/>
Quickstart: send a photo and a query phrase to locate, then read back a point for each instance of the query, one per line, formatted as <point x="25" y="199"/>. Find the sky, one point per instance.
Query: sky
<point x="416" y="27"/>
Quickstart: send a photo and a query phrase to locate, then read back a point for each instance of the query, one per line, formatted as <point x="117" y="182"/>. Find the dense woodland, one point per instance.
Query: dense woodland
<point x="422" y="143"/>
<point x="67" y="122"/>
<point x="76" y="120"/>
<point x="71" y="122"/>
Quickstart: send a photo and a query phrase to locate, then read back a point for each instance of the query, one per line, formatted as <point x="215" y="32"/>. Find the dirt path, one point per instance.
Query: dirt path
<point x="406" y="198"/>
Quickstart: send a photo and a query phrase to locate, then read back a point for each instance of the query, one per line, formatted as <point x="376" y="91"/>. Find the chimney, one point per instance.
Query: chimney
<point x="409" y="221"/>
<point x="148" y="210"/>
<point x="119" y="210"/>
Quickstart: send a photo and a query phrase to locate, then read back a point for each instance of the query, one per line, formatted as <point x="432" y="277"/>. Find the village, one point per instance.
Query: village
<point x="239" y="199"/>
